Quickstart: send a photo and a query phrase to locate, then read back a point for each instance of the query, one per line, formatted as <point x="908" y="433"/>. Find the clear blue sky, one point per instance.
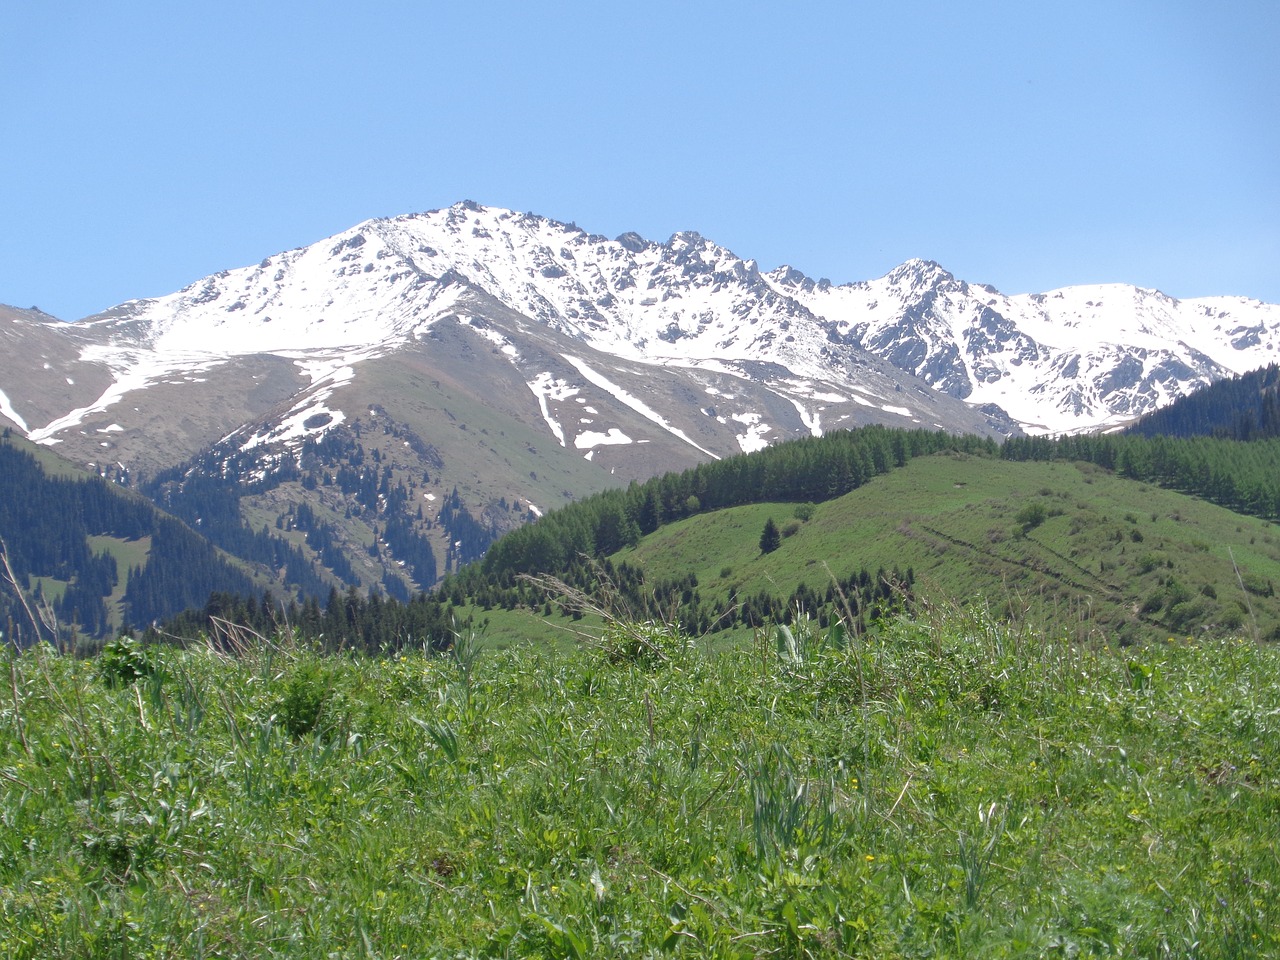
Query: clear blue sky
<point x="1028" y="145"/>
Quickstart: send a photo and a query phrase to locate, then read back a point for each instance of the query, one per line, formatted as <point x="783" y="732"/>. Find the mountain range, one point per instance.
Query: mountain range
<point x="471" y="367"/>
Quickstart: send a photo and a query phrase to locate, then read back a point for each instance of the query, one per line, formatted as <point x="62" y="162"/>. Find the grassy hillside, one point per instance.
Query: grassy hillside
<point x="955" y="787"/>
<point x="1057" y="542"/>
<point x="128" y="554"/>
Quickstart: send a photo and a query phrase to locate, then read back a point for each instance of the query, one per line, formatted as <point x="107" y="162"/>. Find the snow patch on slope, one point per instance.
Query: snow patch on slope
<point x="311" y="416"/>
<point x="635" y="404"/>
<point x="811" y="419"/>
<point x="6" y="409"/>
<point x="132" y="371"/>
<point x="589" y="439"/>
<point x="546" y="387"/>
<point x="757" y="435"/>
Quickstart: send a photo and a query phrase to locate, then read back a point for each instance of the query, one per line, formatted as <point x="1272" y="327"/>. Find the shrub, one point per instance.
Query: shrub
<point x="1175" y="591"/>
<point x="651" y="643"/>
<point x="1259" y="586"/>
<point x="1031" y="516"/>
<point x="1188" y="613"/>
<point x="305" y="694"/>
<point x="123" y="662"/>
<point x="1231" y="618"/>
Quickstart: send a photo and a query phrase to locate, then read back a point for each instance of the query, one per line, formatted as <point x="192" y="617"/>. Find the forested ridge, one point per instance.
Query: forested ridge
<point x="1246" y="407"/>
<point x="812" y="469"/>
<point x="574" y="543"/>
<point x="354" y="470"/>
<point x="46" y="523"/>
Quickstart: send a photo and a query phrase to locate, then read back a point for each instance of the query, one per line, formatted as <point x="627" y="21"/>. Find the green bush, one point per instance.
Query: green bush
<point x="1148" y="562"/>
<point x="306" y="692"/>
<point x="124" y="661"/>
<point x="1258" y="586"/>
<point x="1031" y="516"/>
<point x="1188" y="613"/>
<point x="1232" y="618"/>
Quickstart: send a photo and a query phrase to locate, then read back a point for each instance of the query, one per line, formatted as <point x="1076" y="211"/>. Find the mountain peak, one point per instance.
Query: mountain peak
<point x="918" y="272"/>
<point x="684" y="239"/>
<point x="632" y="241"/>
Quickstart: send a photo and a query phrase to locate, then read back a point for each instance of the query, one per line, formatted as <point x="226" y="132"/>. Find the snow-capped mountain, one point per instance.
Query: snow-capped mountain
<point x="1074" y="359"/>
<point x="534" y="361"/>
<point x="563" y="308"/>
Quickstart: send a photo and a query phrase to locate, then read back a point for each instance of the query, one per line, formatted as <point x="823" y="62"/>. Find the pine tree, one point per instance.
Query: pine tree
<point x="770" y="538"/>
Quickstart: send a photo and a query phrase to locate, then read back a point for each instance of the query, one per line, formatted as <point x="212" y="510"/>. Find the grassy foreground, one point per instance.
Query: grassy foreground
<point x="958" y="787"/>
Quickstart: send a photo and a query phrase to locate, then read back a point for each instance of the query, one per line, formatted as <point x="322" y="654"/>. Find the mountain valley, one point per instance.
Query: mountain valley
<point x="392" y="399"/>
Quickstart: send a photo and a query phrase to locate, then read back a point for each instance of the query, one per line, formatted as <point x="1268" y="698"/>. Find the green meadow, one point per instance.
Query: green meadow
<point x="1114" y="560"/>
<point x="954" y="785"/>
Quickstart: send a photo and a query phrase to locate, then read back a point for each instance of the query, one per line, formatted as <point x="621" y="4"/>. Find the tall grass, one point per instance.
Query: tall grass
<point x="954" y="785"/>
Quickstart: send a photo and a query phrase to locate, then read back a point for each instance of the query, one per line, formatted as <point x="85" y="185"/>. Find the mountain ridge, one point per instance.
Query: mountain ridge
<point x="690" y="301"/>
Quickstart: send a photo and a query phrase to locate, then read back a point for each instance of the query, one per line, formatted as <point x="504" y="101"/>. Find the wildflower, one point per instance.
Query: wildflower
<point x="870" y="858"/>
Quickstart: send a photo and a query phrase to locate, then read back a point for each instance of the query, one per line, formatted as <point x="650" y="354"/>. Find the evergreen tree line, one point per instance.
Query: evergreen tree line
<point x="627" y="590"/>
<point x="1244" y="408"/>
<point x="182" y="570"/>
<point x="347" y="621"/>
<point x="377" y="624"/>
<point x="1241" y="476"/>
